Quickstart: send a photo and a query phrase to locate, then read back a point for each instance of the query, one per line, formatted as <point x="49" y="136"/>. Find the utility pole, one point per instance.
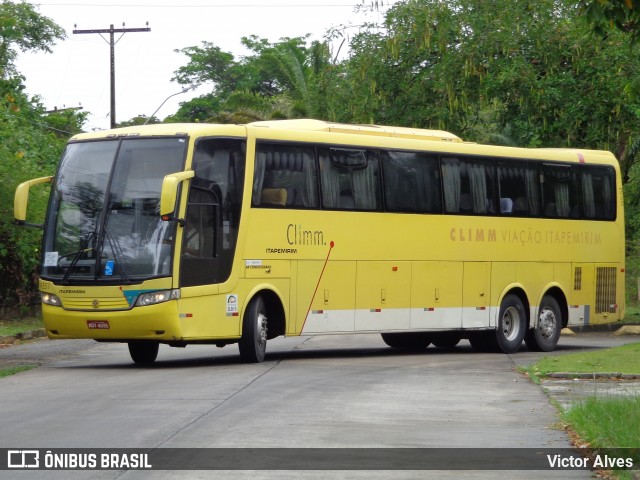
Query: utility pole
<point x="112" y="43"/>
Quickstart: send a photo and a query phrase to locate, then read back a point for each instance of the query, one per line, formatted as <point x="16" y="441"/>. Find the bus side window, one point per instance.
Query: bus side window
<point x="411" y="182"/>
<point x="468" y="186"/>
<point x="285" y="176"/>
<point x="597" y="192"/>
<point x="519" y="183"/>
<point x="559" y="193"/>
<point x="349" y="178"/>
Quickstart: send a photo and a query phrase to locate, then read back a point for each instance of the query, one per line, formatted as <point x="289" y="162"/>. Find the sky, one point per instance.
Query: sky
<point x="77" y="73"/>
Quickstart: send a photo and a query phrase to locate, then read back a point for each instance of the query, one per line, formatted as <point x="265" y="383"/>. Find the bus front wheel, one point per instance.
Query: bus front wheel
<point x="253" y="344"/>
<point x="143" y="352"/>
<point x="544" y="337"/>
<point x="512" y="324"/>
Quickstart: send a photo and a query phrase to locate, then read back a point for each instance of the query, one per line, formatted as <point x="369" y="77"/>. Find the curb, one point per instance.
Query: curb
<point x="605" y="327"/>
<point x="29" y="335"/>
<point x="592" y="376"/>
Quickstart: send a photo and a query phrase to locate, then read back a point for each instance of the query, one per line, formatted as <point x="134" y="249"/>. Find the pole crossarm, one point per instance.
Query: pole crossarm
<point x="114" y="30"/>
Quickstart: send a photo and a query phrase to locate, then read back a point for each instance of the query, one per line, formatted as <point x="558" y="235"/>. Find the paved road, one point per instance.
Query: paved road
<point x="326" y="391"/>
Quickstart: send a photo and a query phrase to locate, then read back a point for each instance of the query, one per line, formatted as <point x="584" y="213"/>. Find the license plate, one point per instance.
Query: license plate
<point x="98" y="324"/>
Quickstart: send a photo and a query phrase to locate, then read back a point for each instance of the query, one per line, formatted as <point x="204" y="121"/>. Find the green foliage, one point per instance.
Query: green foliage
<point x="525" y="69"/>
<point x="31" y="144"/>
<point x="27" y="151"/>
<point x="23" y="28"/>
<point x="624" y="359"/>
<point x="277" y="80"/>
<point x="14" y="326"/>
<point x="138" y="120"/>
<point x="8" y="371"/>
<point x="623" y="15"/>
<point x="608" y="422"/>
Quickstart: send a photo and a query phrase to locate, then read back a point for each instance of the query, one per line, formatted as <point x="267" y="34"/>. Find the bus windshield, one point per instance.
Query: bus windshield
<point x="103" y="222"/>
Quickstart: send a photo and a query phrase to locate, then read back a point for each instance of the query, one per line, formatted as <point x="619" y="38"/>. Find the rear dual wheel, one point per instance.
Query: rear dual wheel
<point x="545" y="335"/>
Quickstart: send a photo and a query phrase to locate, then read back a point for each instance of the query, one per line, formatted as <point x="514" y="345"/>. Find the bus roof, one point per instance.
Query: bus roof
<point x="300" y="125"/>
<point x="375" y="130"/>
<point x="371" y="131"/>
<point x="165" y="129"/>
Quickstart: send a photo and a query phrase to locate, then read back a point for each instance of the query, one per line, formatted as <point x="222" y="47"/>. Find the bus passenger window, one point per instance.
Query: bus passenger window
<point x="411" y="182"/>
<point x="597" y="192"/>
<point x="468" y="186"/>
<point x="349" y="179"/>
<point x="558" y="193"/>
<point x="519" y="182"/>
<point x="285" y="176"/>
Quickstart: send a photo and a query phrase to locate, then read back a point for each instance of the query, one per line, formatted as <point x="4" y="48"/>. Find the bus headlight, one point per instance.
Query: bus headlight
<point x="51" y="299"/>
<point x="159" y="296"/>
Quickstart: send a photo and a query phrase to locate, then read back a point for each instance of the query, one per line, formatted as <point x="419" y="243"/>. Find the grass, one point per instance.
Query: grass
<point x="624" y="359"/>
<point x="600" y="422"/>
<point x="5" y="372"/>
<point x="598" y="419"/>
<point x="606" y="424"/>
<point x="11" y="327"/>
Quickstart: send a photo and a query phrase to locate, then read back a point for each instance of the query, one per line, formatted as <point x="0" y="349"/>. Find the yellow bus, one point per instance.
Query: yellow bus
<point x="219" y="234"/>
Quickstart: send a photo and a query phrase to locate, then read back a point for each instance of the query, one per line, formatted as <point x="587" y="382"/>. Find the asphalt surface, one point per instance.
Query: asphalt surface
<point x="318" y="392"/>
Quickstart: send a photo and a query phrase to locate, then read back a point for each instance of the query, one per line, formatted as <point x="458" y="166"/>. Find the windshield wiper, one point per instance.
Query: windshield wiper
<point x="77" y="254"/>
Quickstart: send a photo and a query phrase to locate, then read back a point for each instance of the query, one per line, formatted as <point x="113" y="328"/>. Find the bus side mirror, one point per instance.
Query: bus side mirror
<point x="21" y="200"/>
<point x="169" y="193"/>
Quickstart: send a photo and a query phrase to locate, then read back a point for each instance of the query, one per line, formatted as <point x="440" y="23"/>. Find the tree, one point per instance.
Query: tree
<point x="31" y="144"/>
<point x="278" y="80"/>
<point x="483" y="68"/>
<point x="23" y="28"/>
<point x="623" y="15"/>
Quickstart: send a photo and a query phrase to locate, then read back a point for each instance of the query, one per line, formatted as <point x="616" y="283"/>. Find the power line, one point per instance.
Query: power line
<point x="221" y="5"/>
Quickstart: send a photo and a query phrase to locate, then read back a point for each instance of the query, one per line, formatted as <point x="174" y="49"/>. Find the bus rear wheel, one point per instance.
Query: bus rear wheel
<point x="512" y="324"/>
<point x="544" y="337"/>
<point x="408" y="341"/>
<point x="143" y="352"/>
<point x="253" y="344"/>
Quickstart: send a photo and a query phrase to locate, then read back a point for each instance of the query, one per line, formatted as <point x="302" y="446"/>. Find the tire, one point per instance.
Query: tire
<point x="483" y="341"/>
<point x="407" y="341"/>
<point x="253" y="344"/>
<point x="143" y="352"/>
<point x="446" y="340"/>
<point x="512" y="324"/>
<point x="544" y="337"/>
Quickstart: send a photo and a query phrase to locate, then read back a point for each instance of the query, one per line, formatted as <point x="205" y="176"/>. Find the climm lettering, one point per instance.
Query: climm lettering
<point x="524" y="237"/>
<point x="298" y="235"/>
<point x="472" y="235"/>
